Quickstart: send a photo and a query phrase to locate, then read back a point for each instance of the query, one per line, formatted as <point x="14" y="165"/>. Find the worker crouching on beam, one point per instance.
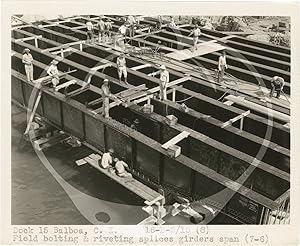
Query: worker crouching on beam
<point x="222" y="65"/>
<point x="107" y="159"/>
<point x="28" y="60"/>
<point x="106" y="94"/>
<point x="121" y="66"/>
<point x="120" y="166"/>
<point x="53" y="73"/>
<point x="277" y="84"/>
<point x="164" y="80"/>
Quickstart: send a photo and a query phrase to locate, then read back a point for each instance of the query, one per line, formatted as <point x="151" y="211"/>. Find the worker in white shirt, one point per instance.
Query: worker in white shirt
<point x="222" y="65"/>
<point x="121" y="66"/>
<point x="196" y="32"/>
<point x="101" y="28"/>
<point x="277" y="84"/>
<point x="164" y="80"/>
<point x="106" y="94"/>
<point x="120" y="168"/>
<point x="122" y="35"/>
<point x="131" y="25"/>
<point x="172" y="23"/>
<point x="53" y="73"/>
<point x="107" y="160"/>
<point x="27" y="60"/>
<point x="90" y="31"/>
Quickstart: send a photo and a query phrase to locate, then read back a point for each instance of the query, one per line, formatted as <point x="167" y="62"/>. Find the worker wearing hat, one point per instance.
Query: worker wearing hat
<point x="106" y="94"/>
<point x="53" y="73"/>
<point x="164" y="80"/>
<point x="107" y="160"/>
<point x="28" y="60"/>
<point x="121" y="66"/>
<point x="277" y="84"/>
<point x="222" y="65"/>
<point x="90" y="31"/>
<point x="196" y="32"/>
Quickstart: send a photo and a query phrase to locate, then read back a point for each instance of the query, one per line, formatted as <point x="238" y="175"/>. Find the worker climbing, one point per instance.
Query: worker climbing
<point x="164" y="80"/>
<point x="121" y="66"/>
<point x="28" y="60"/>
<point x="196" y="32"/>
<point x="222" y="65"/>
<point x="277" y="84"/>
<point x="53" y="73"/>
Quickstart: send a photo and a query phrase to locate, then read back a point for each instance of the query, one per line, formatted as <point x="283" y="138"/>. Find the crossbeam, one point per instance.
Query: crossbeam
<point x="239" y="117"/>
<point x="176" y="139"/>
<point x="28" y="38"/>
<point x="66" y="84"/>
<point x="259" y="108"/>
<point x="141" y="66"/>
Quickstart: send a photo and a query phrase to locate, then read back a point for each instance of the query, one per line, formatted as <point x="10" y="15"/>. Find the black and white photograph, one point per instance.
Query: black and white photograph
<point x="150" y="120"/>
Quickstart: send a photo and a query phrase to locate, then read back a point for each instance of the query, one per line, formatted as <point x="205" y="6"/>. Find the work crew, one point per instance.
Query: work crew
<point x="120" y="168"/>
<point x="164" y="80"/>
<point x="121" y="66"/>
<point x="108" y="30"/>
<point x="54" y="74"/>
<point x="196" y="32"/>
<point x="101" y="28"/>
<point x="27" y="60"/>
<point x="107" y="160"/>
<point x="90" y="31"/>
<point x="222" y="65"/>
<point x="106" y="94"/>
<point x="277" y="84"/>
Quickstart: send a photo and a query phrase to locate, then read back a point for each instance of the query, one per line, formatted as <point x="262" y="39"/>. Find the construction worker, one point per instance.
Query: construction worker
<point x="27" y="60"/>
<point x="90" y="32"/>
<point x="172" y="23"/>
<point x="106" y="161"/>
<point x="120" y="168"/>
<point x="101" y="28"/>
<point x="277" y="84"/>
<point x="196" y="32"/>
<point x="108" y="30"/>
<point x="164" y="80"/>
<point x="222" y="65"/>
<point x="121" y="66"/>
<point x="106" y="94"/>
<point x="159" y="22"/>
<point x="53" y="73"/>
<point x="135" y="124"/>
<point x="131" y="25"/>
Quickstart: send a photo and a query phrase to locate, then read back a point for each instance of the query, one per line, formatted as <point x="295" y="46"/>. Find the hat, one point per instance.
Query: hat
<point x="110" y="150"/>
<point x="162" y="67"/>
<point x="136" y="121"/>
<point x="105" y="81"/>
<point x="27" y="50"/>
<point x="54" y="61"/>
<point x="116" y="159"/>
<point x="122" y="54"/>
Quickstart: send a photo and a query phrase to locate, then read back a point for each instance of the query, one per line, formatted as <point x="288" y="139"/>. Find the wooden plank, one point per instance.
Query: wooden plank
<point x="28" y="38"/>
<point x="176" y="139"/>
<point x="101" y="66"/>
<point x="259" y="108"/>
<point x="239" y="117"/>
<point x="141" y="66"/>
<point x="71" y="82"/>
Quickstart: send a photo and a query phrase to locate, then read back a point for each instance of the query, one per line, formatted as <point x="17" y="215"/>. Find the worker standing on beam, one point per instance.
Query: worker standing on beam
<point x="164" y="80"/>
<point x="277" y="84"/>
<point x="108" y="30"/>
<point x="101" y="28"/>
<point x="27" y="60"/>
<point x="196" y="32"/>
<point x="222" y="65"/>
<point x="121" y="65"/>
<point x="90" y="32"/>
<point x="53" y="73"/>
<point x="131" y="23"/>
<point x="106" y="94"/>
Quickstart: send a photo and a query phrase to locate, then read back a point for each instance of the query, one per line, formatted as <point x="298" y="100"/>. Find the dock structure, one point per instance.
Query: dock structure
<point x="234" y="140"/>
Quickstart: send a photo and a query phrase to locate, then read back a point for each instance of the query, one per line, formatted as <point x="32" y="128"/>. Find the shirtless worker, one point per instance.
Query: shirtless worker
<point x="121" y="66"/>
<point x="120" y="168"/>
<point x="101" y="28"/>
<point x="27" y="60"/>
<point x="53" y="73"/>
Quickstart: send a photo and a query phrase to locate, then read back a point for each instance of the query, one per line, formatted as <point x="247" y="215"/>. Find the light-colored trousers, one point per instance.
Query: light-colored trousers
<point x="163" y="90"/>
<point x="29" y="72"/>
<point x="106" y="107"/>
